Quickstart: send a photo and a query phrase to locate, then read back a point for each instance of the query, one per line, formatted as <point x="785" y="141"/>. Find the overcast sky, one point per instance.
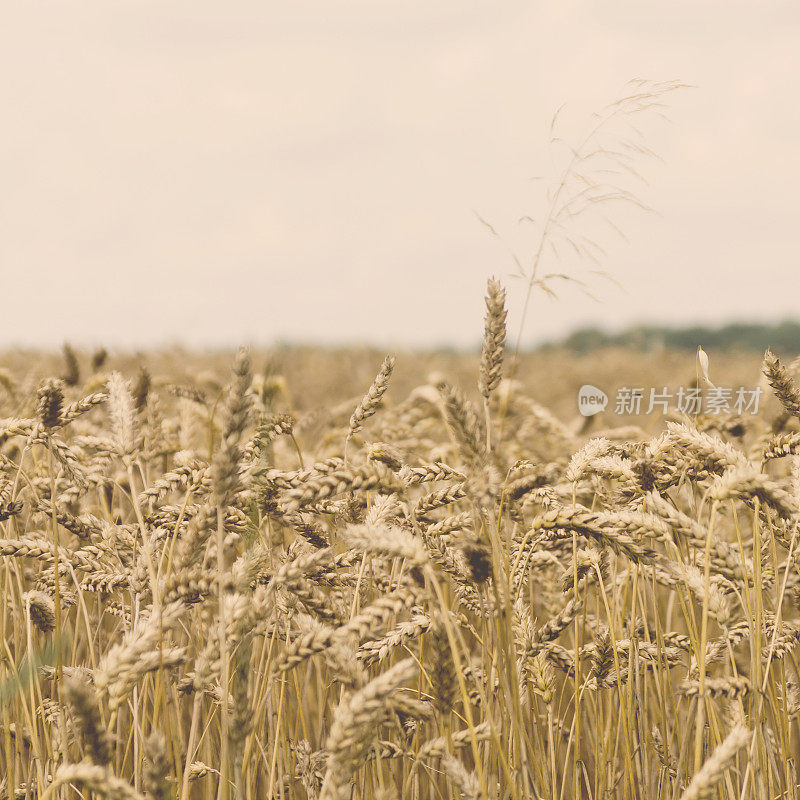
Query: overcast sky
<point x="251" y="171"/>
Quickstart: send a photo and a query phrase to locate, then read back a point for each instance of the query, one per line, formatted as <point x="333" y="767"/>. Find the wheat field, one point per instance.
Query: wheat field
<point x="316" y="576"/>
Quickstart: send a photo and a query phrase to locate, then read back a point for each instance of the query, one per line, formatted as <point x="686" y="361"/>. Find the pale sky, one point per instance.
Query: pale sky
<point x="224" y="172"/>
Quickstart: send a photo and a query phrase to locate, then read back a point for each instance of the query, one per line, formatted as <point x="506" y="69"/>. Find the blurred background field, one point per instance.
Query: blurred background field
<point x="316" y="380"/>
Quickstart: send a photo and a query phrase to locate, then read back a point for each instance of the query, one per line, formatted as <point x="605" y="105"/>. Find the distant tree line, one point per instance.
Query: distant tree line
<point x="782" y="338"/>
